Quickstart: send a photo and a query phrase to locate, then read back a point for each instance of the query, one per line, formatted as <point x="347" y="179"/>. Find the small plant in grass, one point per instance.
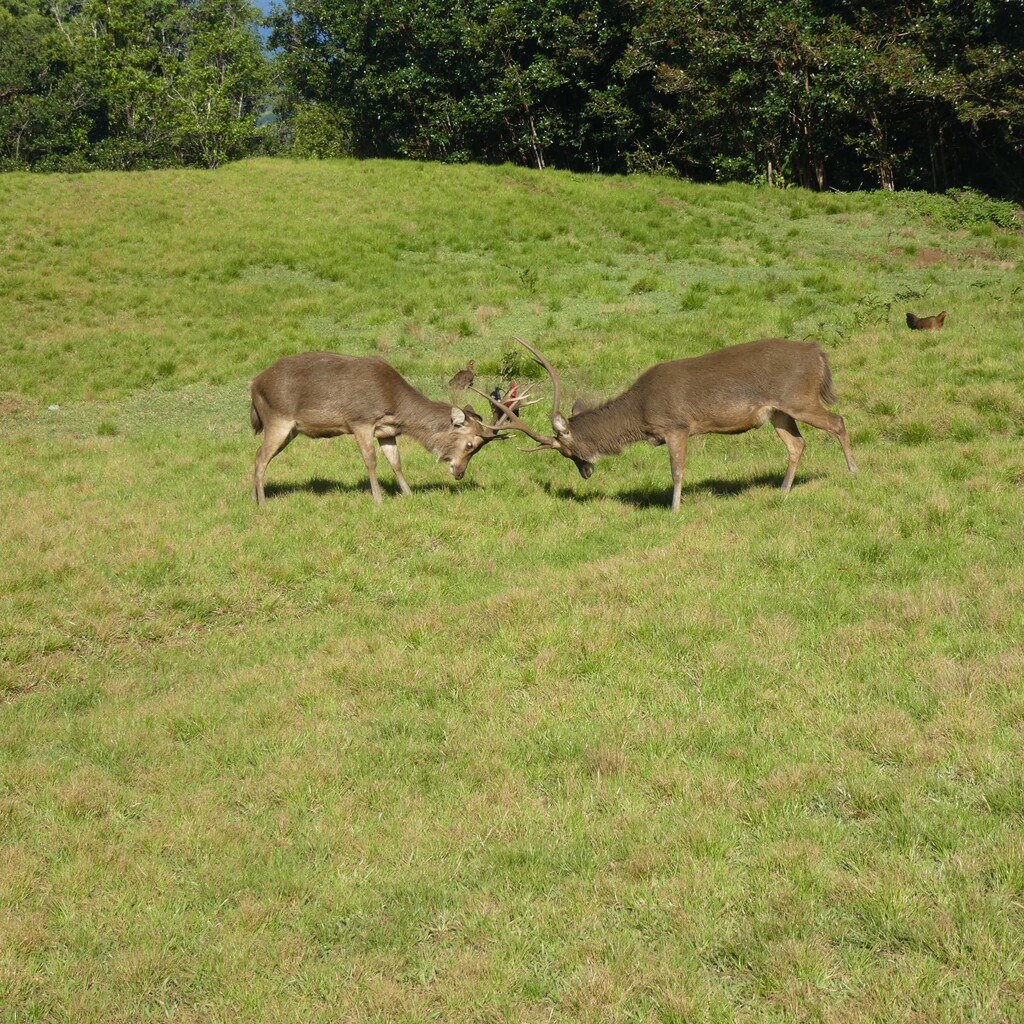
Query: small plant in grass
<point x="963" y="430"/>
<point x="965" y="208"/>
<point x="515" y="364"/>
<point x="695" y="297"/>
<point x="643" y="284"/>
<point x="529" y="280"/>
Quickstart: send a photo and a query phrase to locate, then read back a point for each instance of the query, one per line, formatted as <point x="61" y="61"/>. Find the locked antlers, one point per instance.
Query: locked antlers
<point x="510" y="421"/>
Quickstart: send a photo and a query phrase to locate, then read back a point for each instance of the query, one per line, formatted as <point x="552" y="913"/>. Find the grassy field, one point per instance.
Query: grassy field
<point x="520" y="748"/>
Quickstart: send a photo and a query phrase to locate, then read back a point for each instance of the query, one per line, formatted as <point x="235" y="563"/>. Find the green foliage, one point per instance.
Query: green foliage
<point x="318" y="131"/>
<point x="923" y="95"/>
<point x="971" y="209"/>
<point x="517" y="364"/>
<point x="520" y="81"/>
<point x="964" y="208"/>
<point x="43" y="117"/>
<point x="128" y="84"/>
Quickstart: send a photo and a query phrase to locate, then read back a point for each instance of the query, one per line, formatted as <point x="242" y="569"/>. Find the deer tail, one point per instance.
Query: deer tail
<point x="826" y="388"/>
<point x="254" y="419"/>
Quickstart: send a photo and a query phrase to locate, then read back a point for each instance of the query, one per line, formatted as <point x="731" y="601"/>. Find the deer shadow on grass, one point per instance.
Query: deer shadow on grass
<point x="652" y="497"/>
<point x="320" y="486"/>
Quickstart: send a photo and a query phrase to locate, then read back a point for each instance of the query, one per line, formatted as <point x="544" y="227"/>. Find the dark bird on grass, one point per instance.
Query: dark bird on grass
<point x="925" y="323"/>
<point x="464" y="378"/>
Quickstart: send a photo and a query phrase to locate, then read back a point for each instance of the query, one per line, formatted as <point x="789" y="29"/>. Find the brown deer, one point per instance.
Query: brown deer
<point x="324" y="394"/>
<point x="729" y="391"/>
<point x="926" y="323"/>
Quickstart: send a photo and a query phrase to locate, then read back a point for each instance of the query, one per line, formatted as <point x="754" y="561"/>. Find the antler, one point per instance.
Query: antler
<point x="555" y="379"/>
<point x="515" y="401"/>
<point x="514" y="422"/>
<point x="507" y="418"/>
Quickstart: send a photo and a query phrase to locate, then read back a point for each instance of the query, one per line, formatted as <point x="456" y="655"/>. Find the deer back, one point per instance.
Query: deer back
<point x="727" y="391"/>
<point x="328" y="393"/>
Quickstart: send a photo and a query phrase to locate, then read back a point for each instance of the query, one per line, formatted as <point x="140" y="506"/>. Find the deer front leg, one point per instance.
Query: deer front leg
<point x="364" y="438"/>
<point x="677" y="460"/>
<point x="389" y="446"/>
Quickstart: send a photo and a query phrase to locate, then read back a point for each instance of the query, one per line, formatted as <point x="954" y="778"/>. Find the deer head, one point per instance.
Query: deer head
<point x="469" y="435"/>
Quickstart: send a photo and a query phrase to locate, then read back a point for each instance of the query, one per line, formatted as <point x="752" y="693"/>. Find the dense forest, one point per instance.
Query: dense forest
<point x="922" y="94"/>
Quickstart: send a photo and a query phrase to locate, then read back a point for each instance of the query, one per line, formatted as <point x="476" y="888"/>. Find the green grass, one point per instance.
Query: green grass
<point x="519" y="748"/>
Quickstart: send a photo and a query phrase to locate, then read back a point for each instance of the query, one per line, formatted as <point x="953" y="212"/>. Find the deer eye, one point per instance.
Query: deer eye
<point x="469" y="446"/>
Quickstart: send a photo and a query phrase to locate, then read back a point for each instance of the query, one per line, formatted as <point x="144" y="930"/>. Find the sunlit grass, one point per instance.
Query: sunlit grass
<point x="522" y="747"/>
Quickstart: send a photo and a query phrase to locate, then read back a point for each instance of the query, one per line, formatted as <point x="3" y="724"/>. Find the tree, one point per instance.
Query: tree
<point x="128" y="83"/>
<point x="44" y="111"/>
<point x="217" y="84"/>
<point x="517" y="80"/>
<point x="820" y="93"/>
<point x="921" y="93"/>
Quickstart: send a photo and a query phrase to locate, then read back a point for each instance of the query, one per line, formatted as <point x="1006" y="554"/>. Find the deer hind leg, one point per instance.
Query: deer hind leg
<point x="364" y="438"/>
<point x="389" y="446"/>
<point x="277" y="434"/>
<point x="676" y="444"/>
<point x="785" y="426"/>
<point x="833" y="424"/>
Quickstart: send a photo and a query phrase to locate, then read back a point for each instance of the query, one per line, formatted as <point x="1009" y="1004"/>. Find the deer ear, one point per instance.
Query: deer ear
<point x="560" y="423"/>
<point x="458" y="416"/>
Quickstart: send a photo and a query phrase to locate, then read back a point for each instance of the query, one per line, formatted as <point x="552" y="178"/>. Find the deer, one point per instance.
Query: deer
<point x="926" y="323"/>
<point x="728" y="391"/>
<point x="326" y="394"/>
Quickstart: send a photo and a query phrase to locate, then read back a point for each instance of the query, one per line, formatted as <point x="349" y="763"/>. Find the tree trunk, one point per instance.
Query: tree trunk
<point x="884" y="162"/>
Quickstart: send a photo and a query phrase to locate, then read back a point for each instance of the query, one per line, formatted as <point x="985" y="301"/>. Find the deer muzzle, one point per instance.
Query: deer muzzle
<point x="585" y="468"/>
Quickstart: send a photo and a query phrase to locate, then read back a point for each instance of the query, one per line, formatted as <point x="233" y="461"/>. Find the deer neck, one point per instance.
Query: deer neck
<point x="607" y="429"/>
<point x="427" y="421"/>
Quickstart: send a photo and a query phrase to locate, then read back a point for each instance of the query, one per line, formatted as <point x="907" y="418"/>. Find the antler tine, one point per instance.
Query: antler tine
<point x="514" y="422"/>
<point x="503" y="411"/>
<point x="511" y="407"/>
<point x="518" y="400"/>
<point x="555" y="379"/>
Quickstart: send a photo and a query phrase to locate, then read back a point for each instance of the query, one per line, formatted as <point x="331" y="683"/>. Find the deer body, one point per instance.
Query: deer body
<point x="325" y="394"/>
<point x="729" y="391"/>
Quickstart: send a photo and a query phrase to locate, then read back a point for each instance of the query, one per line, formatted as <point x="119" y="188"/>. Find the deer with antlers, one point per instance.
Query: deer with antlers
<point x="729" y="391"/>
<point x="325" y="394"/>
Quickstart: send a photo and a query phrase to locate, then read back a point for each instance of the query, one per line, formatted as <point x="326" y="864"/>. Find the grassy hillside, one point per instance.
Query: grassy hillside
<point x="522" y="747"/>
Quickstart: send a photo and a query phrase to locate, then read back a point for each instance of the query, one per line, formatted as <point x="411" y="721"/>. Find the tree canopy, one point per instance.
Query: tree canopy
<point x="924" y="94"/>
<point x="126" y="84"/>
